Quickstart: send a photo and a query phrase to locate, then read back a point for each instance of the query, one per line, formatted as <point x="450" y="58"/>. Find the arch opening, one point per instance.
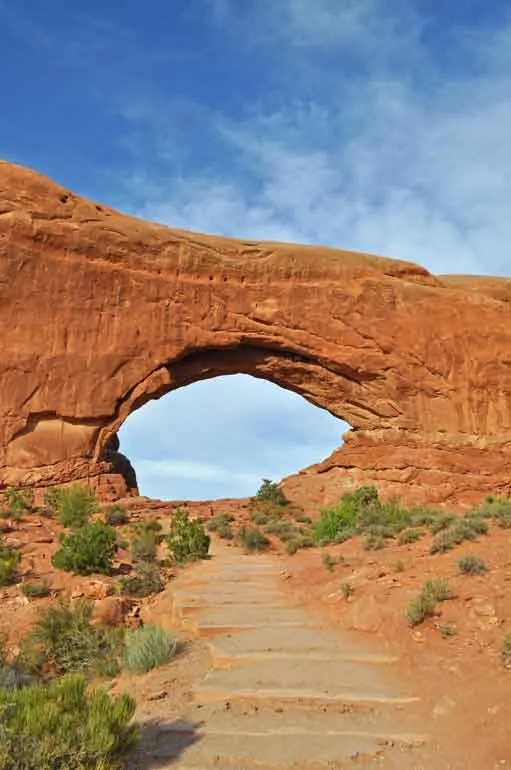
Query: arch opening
<point x="219" y="437"/>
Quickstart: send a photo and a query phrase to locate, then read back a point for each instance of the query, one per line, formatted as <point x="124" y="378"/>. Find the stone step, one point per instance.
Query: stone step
<point x="195" y="747"/>
<point x="274" y="640"/>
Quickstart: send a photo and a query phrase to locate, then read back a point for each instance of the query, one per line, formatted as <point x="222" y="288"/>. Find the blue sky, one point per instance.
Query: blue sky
<point x="362" y="124"/>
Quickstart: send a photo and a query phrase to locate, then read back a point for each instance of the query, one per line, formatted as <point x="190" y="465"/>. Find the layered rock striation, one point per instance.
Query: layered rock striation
<point x="102" y="312"/>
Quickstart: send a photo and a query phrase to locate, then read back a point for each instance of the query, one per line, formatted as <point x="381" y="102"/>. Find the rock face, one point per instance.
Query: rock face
<point x="102" y="312"/>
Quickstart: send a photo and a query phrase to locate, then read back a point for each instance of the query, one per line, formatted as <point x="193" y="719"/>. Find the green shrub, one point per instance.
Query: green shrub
<point x="9" y="563"/>
<point x="17" y="502"/>
<point x="443" y="521"/>
<point x="297" y="543"/>
<point x="424" y="604"/>
<point x="145" y="582"/>
<point x="89" y="549"/>
<point x="505" y="651"/>
<point x="64" y="726"/>
<point x="375" y="538"/>
<point x="270" y="492"/>
<point x="410" y="535"/>
<point x="302" y="518"/>
<point x="292" y="547"/>
<point x="253" y="539"/>
<point x="260" y="518"/>
<point x="187" y="539"/>
<point x="335" y="521"/>
<point x="115" y="515"/>
<point x="461" y="529"/>
<point x="144" y="546"/>
<point x="63" y="640"/>
<point x="35" y="590"/>
<point x="471" y="565"/>
<point x="147" y="648"/>
<point x="329" y="561"/>
<point x="282" y="529"/>
<point x="346" y="589"/>
<point x="219" y="521"/>
<point x="74" y="504"/>
<point x="446" y="630"/>
<point x="226" y="532"/>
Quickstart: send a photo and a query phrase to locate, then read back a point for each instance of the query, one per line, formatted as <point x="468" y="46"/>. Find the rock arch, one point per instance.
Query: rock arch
<point x="102" y="312"/>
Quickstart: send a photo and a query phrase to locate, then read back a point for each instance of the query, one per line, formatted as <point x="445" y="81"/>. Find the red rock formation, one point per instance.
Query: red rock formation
<point x="102" y="312"/>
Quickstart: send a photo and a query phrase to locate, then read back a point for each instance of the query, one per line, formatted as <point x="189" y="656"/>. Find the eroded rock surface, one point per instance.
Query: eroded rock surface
<point x="102" y="312"/>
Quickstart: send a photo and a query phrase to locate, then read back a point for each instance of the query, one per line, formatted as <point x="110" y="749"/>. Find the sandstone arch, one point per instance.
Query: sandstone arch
<point x="102" y="312"/>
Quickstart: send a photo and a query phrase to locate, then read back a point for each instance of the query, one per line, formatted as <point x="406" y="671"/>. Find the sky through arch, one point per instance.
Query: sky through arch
<point x="220" y="437"/>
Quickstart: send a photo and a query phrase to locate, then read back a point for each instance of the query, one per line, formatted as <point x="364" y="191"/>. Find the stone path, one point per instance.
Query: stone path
<point x="283" y="692"/>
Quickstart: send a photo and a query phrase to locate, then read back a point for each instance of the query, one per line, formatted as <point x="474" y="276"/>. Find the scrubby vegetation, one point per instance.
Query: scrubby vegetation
<point x="73" y="504"/>
<point x="187" y="540"/>
<point x="269" y="492"/>
<point x="222" y="525"/>
<point x="35" y="590"/>
<point x="147" y="648"/>
<point x="329" y="561"/>
<point x="9" y="563"/>
<point x="362" y="513"/>
<point x="252" y="539"/>
<point x="16" y="502"/>
<point x="63" y="725"/>
<point x="115" y="515"/>
<point x="64" y="640"/>
<point x="471" y="565"/>
<point x="146" y="580"/>
<point x="89" y="549"/>
<point x="425" y="603"/>
<point x="505" y="651"/>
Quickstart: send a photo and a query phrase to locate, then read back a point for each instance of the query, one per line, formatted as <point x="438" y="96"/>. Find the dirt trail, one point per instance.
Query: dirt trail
<point x="283" y="691"/>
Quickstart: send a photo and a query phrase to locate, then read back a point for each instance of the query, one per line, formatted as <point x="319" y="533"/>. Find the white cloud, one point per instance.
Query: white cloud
<point x="398" y="156"/>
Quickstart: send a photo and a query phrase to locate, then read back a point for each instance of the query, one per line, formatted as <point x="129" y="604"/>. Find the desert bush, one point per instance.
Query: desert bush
<point x="505" y="651"/>
<point x="446" y="630"/>
<point x="299" y="542"/>
<point x="260" y="518"/>
<point x="144" y="546"/>
<point x="64" y="640"/>
<point x="441" y="522"/>
<point x="89" y="549"/>
<point x="9" y="562"/>
<point x="115" y="515"/>
<point x="187" y="539"/>
<point x="226" y="532"/>
<point x="346" y="589"/>
<point x="398" y="566"/>
<point x="270" y="492"/>
<point x="63" y="725"/>
<point x="74" y="504"/>
<point x="410" y="535"/>
<point x="16" y="502"/>
<point x="461" y="529"/>
<point x="424" y="604"/>
<point x="282" y="529"/>
<point x="375" y="538"/>
<point x="35" y="590"/>
<point x="471" y="565"/>
<point x="219" y="521"/>
<point x="147" y="648"/>
<point x="329" y="561"/>
<point x="253" y="539"/>
<point x="145" y="581"/>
